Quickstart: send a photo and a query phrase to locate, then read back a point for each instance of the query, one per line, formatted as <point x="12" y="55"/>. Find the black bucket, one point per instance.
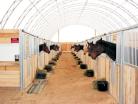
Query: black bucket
<point x="89" y="73"/>
<point x="41" y="74"/>
<point x="83" y="66"/>
<point x="48" y="68"/>
<point x="52" y="63"/>
<point x="102" y="85"/>
<point x="79" y="62"/>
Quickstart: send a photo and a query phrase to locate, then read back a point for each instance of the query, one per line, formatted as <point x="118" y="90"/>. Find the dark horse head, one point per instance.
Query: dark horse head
<point x="90" y="48"/>
<point x="44" y="47"/>
<point x="54" y="47"/>
<point x="72" y="46"/>
<point x="79" y="47"/>
<point x="102" y="46"/>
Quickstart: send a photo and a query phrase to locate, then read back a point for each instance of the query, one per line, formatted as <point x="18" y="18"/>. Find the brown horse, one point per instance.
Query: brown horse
<point x="102" y="46"/>
<point x="90" y="48"/>
<point x="77" y="48"/>
<point x="44" y="47"/>
<point x="54" y="47"/>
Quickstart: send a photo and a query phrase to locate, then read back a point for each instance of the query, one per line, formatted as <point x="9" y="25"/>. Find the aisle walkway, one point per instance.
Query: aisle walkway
<point x="67" y="85"/>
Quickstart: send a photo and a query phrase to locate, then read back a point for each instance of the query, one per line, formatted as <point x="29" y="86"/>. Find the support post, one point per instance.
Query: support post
<point x="21" y="58"/>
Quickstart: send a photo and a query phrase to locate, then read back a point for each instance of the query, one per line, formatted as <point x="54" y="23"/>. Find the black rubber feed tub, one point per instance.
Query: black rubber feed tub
<point x="102" y="85"/>
<point x="41" y="74"/>
<point x="79" y="62"/>
<point x="48" y="68"/>
<point x="52" y="63"/>
<point x="83" y="66"/>
<point x="89" y="73"/>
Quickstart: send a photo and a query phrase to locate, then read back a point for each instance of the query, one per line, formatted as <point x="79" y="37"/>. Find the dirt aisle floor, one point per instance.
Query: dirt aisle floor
<point x="66" y="85"/>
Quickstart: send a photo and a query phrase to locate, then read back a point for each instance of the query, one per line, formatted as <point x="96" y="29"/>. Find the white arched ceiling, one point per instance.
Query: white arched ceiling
<point x="45" y="17"/>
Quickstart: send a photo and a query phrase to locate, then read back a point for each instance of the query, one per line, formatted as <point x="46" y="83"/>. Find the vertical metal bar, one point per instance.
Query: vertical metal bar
<point x="121" y="82"/>
<point x="43" y="56"/>
<point x="131" y="46"/>
<point x="136" y="49"/>
<point x="37" y="52"/>
<point x="21" y="48"/>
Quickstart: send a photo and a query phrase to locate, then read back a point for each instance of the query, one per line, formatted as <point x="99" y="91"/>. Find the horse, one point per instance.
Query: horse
<point x="72" y="46"/>
<point x="102" y="46"/>
<point x="54" y="47"/>
<point x="90" y="48"/>
<point x="77" y="48"/>
<point x="44" y="47"/>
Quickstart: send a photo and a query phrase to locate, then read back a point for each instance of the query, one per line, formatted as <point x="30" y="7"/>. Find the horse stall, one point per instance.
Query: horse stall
<point x="53" y="49"/>
<point x="47" y="55"/>
<point x="43" y="56"/>
<point x="122" y="73"/>
<point x="33" y="57"/>
<point x="19" y="58"/>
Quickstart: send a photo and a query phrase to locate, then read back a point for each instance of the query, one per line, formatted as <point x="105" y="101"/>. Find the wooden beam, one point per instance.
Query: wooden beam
<point x="5" y="33"/>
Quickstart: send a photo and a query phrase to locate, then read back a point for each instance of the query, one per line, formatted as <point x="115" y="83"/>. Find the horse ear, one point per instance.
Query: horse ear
<point x="92" y="43"/>
<point x="101" y="39"/>
<point x="88" y="43"/>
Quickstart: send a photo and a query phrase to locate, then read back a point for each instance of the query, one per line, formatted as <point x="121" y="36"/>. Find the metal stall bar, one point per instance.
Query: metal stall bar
<point x="109" y="33"/>
<point x="21" y="57"/>
<point x="121" y="82"/>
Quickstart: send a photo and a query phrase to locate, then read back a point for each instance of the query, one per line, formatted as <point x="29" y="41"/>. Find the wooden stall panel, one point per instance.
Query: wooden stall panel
<point x="7" y="34"/>
<point x="27" y="74"/>
<point x="117" y="82"/>
<point x="129" y="83"/>
<point x="107" y="65"/>
<point x="9" y="78"/>
<point x="9" y="74"/>
<point x="33" y="67"/>
<point x="35" y="61"/>
<point x="88" y="61"/>
<point x="30" y="67"/>
<point x="41" y="60"/>
<point x="25" y="68"/>
<point x="114" y="82"/>
<point x="46" y="58"/>
<point x="81" y="55"/>
<point x="136" y="86"/>
<point x="101" y="67"/>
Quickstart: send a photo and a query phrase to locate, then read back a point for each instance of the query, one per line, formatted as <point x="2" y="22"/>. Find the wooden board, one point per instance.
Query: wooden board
<point x="41" y="60"/>
<point x="7" y="34"/>
<point x="101" y="67"/>
<point x="129" y="83"/>
<point x="46" y="58"/>
<point x="30" y="67"/>
<point x="136" y="86"/>
<point x="9" y="74"/>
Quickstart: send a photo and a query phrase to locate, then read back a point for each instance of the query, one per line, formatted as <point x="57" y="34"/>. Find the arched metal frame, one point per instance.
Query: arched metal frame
<point x="97" y="11"/>
<point x="45" y="24"/>
<point x="123" y="19"/>
<point x="38" y="27"/>
<point x="53" y="11"/>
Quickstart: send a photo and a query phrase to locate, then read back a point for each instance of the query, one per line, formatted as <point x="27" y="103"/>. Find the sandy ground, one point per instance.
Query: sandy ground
<point x="67" y="85"/>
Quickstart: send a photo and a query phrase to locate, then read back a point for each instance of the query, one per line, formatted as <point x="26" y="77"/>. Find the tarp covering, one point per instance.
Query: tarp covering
<point x="45" y="17"/>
